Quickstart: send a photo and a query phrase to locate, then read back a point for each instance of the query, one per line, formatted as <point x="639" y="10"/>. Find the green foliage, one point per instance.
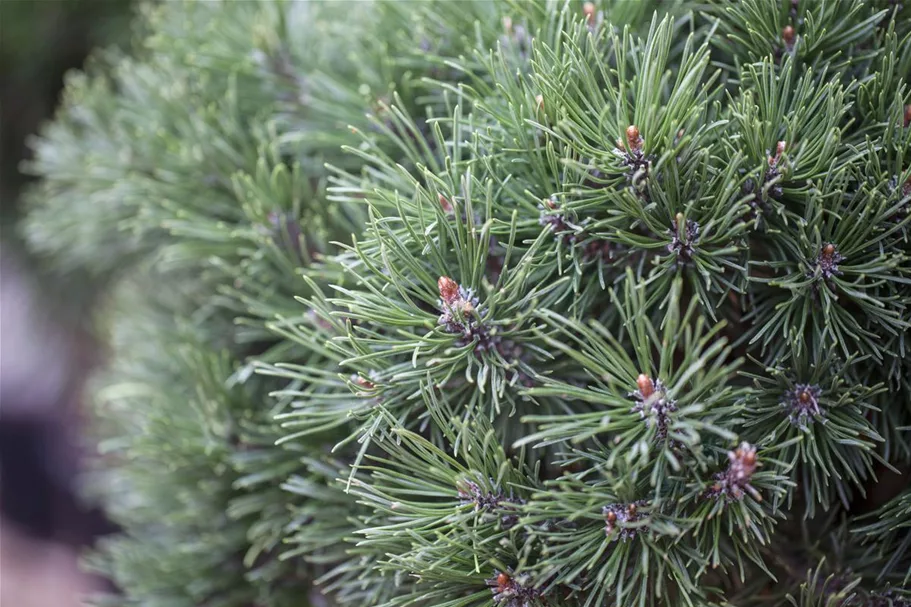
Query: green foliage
<point x="509" y="303"/>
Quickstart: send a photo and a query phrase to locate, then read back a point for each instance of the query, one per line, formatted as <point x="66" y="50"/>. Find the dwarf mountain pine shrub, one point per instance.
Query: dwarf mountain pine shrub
<point x="509" y="303"/>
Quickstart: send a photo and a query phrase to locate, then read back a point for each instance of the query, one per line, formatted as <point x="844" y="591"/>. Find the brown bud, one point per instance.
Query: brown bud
<point x="780" y="147"/>
<point x="611" y="517"/>
<point x="445" y="204"/>
<point x="908" y="115"/>
<point x="550" y="203"/>
<point x="449" y="289"/>
<point x="588" y="9"/>
<point x="787" y="34"/>
<point x="632" y="509"/>
<point x="539" y="100"/>
<point x="503" y="580"/>
<point x="828" y="250"/>
<point x="804" y="396"/>
<point x="632" y="137"/>
<point x="365" y="383"/>
<point x="646" y="385"/>
<point x="749" y="458"/>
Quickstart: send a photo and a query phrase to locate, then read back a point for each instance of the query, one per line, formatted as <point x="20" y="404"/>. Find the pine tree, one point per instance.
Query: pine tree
<point x="497" y="303"/>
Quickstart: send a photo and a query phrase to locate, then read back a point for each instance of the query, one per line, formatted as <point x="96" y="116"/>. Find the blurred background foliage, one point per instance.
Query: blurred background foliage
<point x="40" y="40"/>
<point x="47" y="344"/>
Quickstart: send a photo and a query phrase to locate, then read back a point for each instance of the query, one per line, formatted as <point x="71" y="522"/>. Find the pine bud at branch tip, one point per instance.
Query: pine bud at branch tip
<point x="539" y="100"/>
<point x="734" y="482"/>
<point x="632" y="137"/>
<point x="829" y="249"/>
<point x="449" y="289"/>
<point x="445" y="204"/>
<point x="787" y="34"/>
<point x="502" y="580"/>
<point x="588" y="9"/>
<point x="646" y="385"/>
<point x="908" y="115"/>
<point x="779" y="150"/>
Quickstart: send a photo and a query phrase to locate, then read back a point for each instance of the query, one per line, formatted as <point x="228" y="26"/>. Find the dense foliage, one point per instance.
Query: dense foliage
<point x="498" y="303"/>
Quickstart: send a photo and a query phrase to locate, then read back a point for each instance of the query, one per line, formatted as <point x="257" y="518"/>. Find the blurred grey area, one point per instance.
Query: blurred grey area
<point x="47" y="349"/>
